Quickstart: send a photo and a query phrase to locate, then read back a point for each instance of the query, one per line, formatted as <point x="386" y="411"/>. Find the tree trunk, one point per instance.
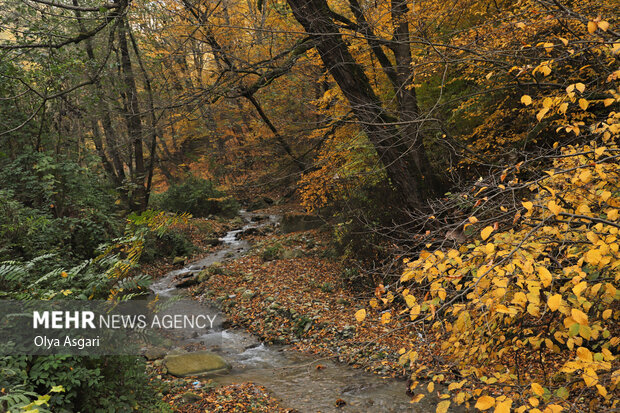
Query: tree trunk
<point x="133" y="121"/>
<point x="401" y="160"/>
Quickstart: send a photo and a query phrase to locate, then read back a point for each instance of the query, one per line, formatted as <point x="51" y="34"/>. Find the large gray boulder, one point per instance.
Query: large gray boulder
<point x="199" y="363"/>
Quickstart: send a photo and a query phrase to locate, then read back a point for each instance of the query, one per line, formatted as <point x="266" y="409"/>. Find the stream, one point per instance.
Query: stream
<point x="290" y="376"/>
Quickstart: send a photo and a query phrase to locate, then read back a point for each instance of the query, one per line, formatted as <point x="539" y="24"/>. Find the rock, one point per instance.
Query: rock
<point x="287" y="254"/>
<point x="293" y="222"/>
<point x="203" y="276"/>
<point x="247" y="295"/>
<point x="195" y="364"/>
<point x="213" y="242"/>
<point x="249" y="231"/>
<point x="186" y="274"/>
<point x="260" y="203"/>
<point x="178" y="260"/>
<point x="190" y="397"/>
<point x="188" y="282"/>
<point x="177" y="351"/>
<point x="153" y="353"/>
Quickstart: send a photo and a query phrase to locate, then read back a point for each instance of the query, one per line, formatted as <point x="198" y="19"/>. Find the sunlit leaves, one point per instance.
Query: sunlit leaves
<point x="579" y="316"/>
<point x="526" y="100"/>
<point x="597" y="24"/>
<point x="553" y="276"/>
<point x="545" y="276"/>
<point x="503" y="406"/>
<point x="554" y="302"/>
<point x="486" y="232"/>
<point x="541" y="114"/>
<point x="554" y="207"/>
<point x="537" y="389"/>
<point x="485" y="402"/>
<point x="360" y="315"/>
<point x="442" y="407"/>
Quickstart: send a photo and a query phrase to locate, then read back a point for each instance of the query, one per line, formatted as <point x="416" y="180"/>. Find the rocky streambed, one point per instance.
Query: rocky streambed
<point x="303" y="382"/>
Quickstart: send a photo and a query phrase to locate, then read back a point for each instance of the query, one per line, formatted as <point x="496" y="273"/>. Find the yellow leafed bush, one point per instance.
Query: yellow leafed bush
<point x="537" y="303"/>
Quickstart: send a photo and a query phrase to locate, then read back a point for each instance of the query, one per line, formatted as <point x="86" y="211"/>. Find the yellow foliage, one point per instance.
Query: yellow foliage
<point x="491" y="293"/>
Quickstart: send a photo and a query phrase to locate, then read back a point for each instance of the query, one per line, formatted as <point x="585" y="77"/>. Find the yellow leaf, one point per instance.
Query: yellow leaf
<point x="564" y="41"/>
<point x="417" y="398"/>
<point x="590" y="377"/>
<point x="563" y="107"/>
<point x="580" y="87"/>
<point x="385" y="318"/>
<point x="442" y="294"/>
<point x="607" y="313"/>
<point x="547" y="103"/>
<point x="601" y="390"/>
<point x="64" y="274"/>
<point x="583" y="103"/>
<point x="443" y="406"/>
<point x="554" y="408"/>
<point x="584" y="354"/>
<point x="533" y="401"/>
<point x="430" y="387"/>
<point x="555" y="208"/>
<point x="592" y="27"/>
<point x="489" y="248"/>
<point x="612" y="214"/>
<point x="554" y="302"/>
<point x="608" y="102"/>
<point x="485" y="402"/>
<point x="579" y="316"/>
<point x="415" y="312"/>
<point x="360" y="315"/>
<point x="473" y="219"/>
<point x="540" y="115"/>
<point x="485" y="233"/>
<point x="527" y="205"/>
<point x="579" y="288"/>
<point x="538" y="389"/>
<point x="545" y="276"/>
<point x="593" y="256"/>
<point x="603" y="25"/>
<point x="526" y="100"/>
<point x="503" y="407"/>
<point x="410" y="300"/>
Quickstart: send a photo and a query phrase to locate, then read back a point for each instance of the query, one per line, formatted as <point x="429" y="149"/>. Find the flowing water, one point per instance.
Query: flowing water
<point x="290" y="376"/>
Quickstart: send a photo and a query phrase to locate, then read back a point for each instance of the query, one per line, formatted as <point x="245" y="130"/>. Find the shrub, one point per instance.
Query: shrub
<point x="93" y="384"/>
<point x="172" y="243"/>
<point x="49" y="205"/>
<point x="198" y="197"/>
<point x="533" y="308"/>
<point x="272" y="252"/>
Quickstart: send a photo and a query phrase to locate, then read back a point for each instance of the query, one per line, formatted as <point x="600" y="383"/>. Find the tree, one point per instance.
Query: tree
<point x="396" y="138"/>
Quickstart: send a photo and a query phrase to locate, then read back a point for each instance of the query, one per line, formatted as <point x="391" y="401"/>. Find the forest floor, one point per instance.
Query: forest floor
<point x="289" y="289"/>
